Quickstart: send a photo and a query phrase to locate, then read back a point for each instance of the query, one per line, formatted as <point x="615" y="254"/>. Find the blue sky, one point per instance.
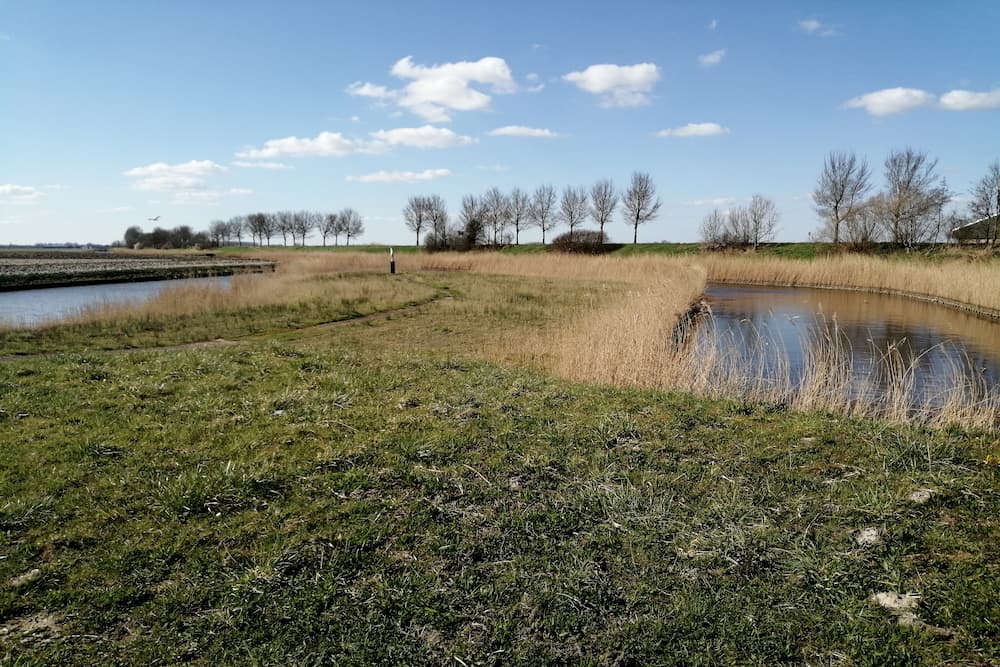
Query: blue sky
<point x="114" y="112"/>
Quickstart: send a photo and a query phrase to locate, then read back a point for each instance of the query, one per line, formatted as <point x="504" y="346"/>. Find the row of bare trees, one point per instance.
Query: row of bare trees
<point x="749" y="225"/>
<point x="262" y="227"/>
<point x="908" y="211"/>
<point x="497" y="218"/>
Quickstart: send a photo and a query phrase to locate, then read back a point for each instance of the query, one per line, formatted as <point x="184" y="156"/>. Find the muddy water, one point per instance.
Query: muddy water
<point x="28" y="308"/>
<point x="773" y="328"/>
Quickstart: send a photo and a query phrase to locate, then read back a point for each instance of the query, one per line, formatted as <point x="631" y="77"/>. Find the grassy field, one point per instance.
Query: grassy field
<point x="410" y="488"/>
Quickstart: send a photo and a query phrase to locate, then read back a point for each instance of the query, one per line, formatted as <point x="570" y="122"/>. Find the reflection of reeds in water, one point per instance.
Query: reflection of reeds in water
<point x="755" y="365"/>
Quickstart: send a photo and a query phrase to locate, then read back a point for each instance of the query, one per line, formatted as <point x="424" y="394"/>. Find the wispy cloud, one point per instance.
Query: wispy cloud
<point x="523" y="131"/>
<point x="818" y="28"/>
<point x="210" y="197"/>
<point x="617" y="85"/>
<point x="258" y="164"/>
<point x="713" y="24"/>
<point x="717" y="201"/>
<point x="18" y="193"/>
<point x="426" y="136"/>
<point x="712" y="59"/>
<point x="323" y="144"/>
<point x="181" y="177"/>
<point x="401" y="176"/>
<point x="695" y="130"/>
<point x="967" y="100"/>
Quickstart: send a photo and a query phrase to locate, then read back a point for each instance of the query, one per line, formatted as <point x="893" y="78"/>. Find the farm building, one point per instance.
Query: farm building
<point x="984" y="230"/>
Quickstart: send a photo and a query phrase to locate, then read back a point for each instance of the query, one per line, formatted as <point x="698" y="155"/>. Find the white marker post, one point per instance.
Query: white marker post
<point x="392" y="261"/>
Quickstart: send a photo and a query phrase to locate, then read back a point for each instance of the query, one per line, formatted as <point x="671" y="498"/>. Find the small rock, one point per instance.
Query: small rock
<point x="278" y="413"/>
<point x="408" y="403"/>
<point x="921" y="496"/>
<point x="22" y="415"/>
<point x="808" y="440"/>
<point x="896" y="603"/>
<point x="869" y="537"/>
<point x="26" y="578"/>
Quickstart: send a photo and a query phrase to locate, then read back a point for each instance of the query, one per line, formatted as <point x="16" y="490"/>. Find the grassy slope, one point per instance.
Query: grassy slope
<point x="350" y="497"/>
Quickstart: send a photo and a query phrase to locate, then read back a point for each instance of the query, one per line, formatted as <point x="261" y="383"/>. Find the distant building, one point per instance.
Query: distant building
<point x="984" y="230"/>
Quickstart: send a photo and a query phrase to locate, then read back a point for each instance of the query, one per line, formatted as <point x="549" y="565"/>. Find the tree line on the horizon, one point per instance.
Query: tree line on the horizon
<point x="497" y="218"/>
<point x="259" y="228"/>
<point x="908" y="211"/>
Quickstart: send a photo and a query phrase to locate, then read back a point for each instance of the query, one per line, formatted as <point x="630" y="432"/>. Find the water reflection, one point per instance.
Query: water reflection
<point x="774" y="332"/>
<point x="27" y="308"/>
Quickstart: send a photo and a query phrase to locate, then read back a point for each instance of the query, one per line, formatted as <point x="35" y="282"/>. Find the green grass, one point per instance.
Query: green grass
<point x="341" y="499"/>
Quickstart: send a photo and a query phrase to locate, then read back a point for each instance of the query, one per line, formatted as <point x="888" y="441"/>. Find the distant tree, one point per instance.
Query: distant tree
<point x="914" y="198"/>
<point x="470" y="217"/>
<point x="301" y="226"/>
<point x="640" y="203"/>
<point x="416" y="215"/>
<point x="714" y="230"/>
<point x="258" y="224"/>
<point x="543" y="204"/>
<point x="132" y="236"/>
<point x="573" y="208"/>
<point x="864" y="227"/>
<point x="985" y="201"/>
<point x="286" y="225"/>
<point x="270" y="227"/>
<point x="496" y="213"/>
<point x="840" y="191"/>
<point x="351" y="224"/>
<point x="437" y="214"/>
<point x="218" y="231"/>
<point x="603" y="201"/>
<point x="180" y="237"/>
<point x="761" y="220"/>
<point x="328" y="227"/>
<point x="519" y="208"/>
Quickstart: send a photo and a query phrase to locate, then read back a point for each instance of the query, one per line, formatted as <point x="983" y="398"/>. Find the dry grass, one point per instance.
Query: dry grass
<point x="969" y="283"/>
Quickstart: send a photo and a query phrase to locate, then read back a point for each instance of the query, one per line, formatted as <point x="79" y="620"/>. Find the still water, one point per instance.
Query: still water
<point x="27" y="308"/>
<point x="773" y="330"/>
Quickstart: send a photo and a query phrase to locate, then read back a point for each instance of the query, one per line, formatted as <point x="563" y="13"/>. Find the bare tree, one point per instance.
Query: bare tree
<point x="302" y="224"/>
<point x="496" y="213"/>
<point x="640" y="203"/>
<point x="437" y="215"/>
<point x="573" y="208"/>
<point x="762" y="220"/>
<point x="603" y="201"/>
<point x="217" y="231"/>
<point x="713" y="228"/>
<point x="237" y="226"/>
<point x="285" y="224"/>
<point x="471" y="218"/>
<point x="518" y="212"/>
<point x="329" y="226"/>
<point x="542" y="211"/>
<point x="864" y="227"/>
<point x="351" y="224"/>
<point x="416" y="215"/>
<point x="840" y="190"/>
<point x="914" y="198"/>
<point x="986" y="201"/>
<point x="257" y="223"/>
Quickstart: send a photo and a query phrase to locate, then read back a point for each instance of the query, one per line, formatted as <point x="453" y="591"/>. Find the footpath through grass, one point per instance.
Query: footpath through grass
<point x="348" y="498"/>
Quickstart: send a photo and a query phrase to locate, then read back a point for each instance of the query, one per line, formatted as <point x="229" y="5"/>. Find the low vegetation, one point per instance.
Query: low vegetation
<point x="414" y="489"/>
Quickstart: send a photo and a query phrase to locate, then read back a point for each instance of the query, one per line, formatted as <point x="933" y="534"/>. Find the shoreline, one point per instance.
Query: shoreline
<point x="31" y="281"/>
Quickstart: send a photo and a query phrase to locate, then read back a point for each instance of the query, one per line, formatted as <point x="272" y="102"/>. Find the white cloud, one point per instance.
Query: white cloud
<point x="694" y="130"/>
<point x="426" y="136"/>
<point x="433" y="92"/>
<point x="182" y="177"/>
<point x="522" y="131"/>
<point x="815" y="27"/>
<point x="370" y="90"/>
<point x="967" y="100"/>
<point x="717" y="201"/>
<point x="712" y="59"/>
<point x="618" y="85"/>
<point x="257" y="164"/>
<point x="890" y="101"/>
<point x="713" y="24"/>
<point x="323" y="144"/>
<point x="400" y="176"/>
<point x="18" y="193"/>
<point x="209" y="197"/>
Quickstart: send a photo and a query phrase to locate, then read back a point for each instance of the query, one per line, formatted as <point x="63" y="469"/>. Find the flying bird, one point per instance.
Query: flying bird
<point x="153" y="219"/>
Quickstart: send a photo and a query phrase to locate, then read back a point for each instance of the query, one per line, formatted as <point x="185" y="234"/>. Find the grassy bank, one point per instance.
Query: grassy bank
<point x="320" y="501"/>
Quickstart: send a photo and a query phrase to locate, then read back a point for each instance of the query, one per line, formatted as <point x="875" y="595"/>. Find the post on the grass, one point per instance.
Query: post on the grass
<point x="392" y="261"/>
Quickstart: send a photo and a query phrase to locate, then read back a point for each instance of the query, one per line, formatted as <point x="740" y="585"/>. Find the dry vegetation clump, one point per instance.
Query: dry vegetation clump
<point x="969" y="284"/>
